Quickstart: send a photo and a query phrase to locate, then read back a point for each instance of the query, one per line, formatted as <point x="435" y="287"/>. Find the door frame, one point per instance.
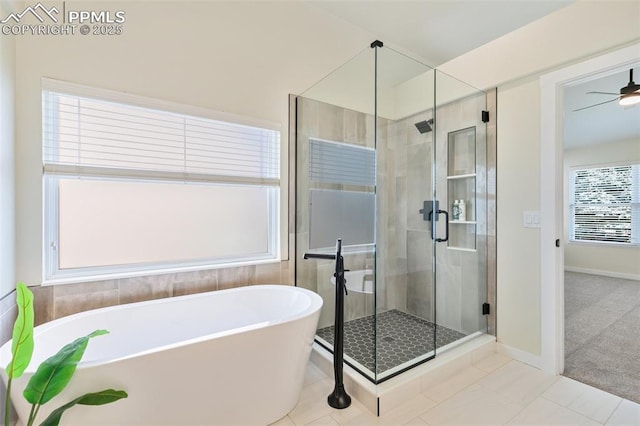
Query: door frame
<point x="552" y="192"/>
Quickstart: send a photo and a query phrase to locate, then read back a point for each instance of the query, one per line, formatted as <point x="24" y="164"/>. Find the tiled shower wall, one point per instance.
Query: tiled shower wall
<point x="323" y="121"/>
<point x="462" y="276"/>
<point x="404" y="180"/>
<point x="409" y="186"/>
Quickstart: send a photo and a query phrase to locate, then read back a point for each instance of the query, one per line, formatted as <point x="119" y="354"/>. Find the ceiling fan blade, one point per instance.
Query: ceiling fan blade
<point x="594" y="105"/>
<point x="603" y="93"/>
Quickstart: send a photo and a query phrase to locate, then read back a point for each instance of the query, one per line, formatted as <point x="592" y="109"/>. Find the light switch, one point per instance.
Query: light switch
<point x="531" y="219"/>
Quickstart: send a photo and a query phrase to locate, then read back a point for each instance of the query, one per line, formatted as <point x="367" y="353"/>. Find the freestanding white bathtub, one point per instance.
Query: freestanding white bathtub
<point x="230" y="357"/>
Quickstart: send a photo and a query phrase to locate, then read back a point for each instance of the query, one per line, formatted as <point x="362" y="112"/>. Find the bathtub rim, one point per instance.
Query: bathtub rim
<point x="315" y="305"/>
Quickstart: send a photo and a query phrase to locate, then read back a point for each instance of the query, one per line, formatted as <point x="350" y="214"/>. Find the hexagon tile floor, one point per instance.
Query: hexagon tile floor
<point x="401" y="338"/>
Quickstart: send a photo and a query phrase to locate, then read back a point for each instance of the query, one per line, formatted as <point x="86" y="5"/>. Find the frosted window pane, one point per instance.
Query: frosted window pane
<point x="114" y="222"/>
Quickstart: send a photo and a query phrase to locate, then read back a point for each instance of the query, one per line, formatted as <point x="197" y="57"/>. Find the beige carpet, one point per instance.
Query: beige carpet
<point x="602" y="333"/>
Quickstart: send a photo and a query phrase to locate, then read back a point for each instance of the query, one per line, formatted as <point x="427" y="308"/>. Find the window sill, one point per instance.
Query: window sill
<point x="150" y="272"/>
<point x="602" y="244"/>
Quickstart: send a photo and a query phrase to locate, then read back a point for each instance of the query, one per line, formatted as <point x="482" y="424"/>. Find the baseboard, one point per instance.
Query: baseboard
<point x="520" y="355"/>
<point x="611" y="274"/>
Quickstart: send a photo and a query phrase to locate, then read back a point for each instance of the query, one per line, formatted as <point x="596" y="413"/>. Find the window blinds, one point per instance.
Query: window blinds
<point x="88" y="136"/>
<point x="339" y="163"/>
<point x="605" y="205"/>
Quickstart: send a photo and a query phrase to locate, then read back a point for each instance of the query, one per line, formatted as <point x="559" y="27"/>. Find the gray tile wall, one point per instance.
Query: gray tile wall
<point x="52" y="302"/>
<point x="463" y="277"/>
<point x="326" y="122"/>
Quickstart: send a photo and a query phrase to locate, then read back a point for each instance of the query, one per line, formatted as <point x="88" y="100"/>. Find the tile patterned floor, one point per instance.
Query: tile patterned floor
<point x="495" y="391"/>
<point x="401" y="338"/>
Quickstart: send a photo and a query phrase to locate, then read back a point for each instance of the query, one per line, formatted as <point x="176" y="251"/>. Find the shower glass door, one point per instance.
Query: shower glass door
<point x="405" y="262"/>
<point x="460" y="185"/>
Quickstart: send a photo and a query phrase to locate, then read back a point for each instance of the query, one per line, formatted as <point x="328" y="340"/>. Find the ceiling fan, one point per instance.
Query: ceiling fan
<point x="629" y="94"/>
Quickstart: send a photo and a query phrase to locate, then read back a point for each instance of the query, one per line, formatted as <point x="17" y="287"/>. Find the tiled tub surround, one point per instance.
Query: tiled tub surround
<point x="53" y="302"/>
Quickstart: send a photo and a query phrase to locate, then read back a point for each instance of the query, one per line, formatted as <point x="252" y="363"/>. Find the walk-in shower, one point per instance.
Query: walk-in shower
<point x="392" y="157"/>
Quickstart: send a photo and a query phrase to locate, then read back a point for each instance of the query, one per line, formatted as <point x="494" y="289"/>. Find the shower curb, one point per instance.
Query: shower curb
<point x="382" y="398"/>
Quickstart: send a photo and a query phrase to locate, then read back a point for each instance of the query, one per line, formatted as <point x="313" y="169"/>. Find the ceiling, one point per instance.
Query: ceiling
<point x="605" y="123"/>
<point x="437" y="30"/>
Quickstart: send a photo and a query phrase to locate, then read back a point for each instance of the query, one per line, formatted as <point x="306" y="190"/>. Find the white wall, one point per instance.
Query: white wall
<point x="237" y="57"/>
<point x="575" y="32"/>
<point x="596" y="258"/>
<point x="7" y="142"/>
<point x="518" y="186"/>
<point x="514" y="63"/>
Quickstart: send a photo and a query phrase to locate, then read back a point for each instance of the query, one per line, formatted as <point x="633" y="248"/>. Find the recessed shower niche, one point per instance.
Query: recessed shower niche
<point x="461" y="188"/>
<point x="380" y="150"/>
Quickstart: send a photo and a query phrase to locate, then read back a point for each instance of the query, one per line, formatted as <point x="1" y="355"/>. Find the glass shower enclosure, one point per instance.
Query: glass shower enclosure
<point x="390" y="156"/>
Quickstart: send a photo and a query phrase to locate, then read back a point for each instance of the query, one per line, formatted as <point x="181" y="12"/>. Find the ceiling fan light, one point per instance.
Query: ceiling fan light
<point x="629" y="99"/>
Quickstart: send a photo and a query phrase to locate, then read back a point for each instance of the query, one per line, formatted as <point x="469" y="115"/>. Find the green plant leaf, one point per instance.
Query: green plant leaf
<point x="106" y="396"/>
<point x="53" y="375"/>
<point x="22" y="344"/>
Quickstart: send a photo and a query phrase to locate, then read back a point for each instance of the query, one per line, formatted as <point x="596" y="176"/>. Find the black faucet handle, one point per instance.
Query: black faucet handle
<point x="344" y="270"/>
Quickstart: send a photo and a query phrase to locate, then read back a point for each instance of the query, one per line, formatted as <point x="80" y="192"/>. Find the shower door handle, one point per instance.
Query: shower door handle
<point x="446" y="226"/>
<point x="428" y="215"/>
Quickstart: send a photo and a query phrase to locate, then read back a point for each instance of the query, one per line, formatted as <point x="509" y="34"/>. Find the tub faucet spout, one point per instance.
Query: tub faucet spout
<point x="318" y="256"/>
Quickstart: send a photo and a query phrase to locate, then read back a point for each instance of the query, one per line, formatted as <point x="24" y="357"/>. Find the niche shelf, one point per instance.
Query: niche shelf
<point x="461" y="185"/>
<point x="469" y="175"/>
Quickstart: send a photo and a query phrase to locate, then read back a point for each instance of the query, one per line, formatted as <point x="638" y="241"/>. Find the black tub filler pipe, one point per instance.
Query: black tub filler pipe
<point x="339" y="397"/>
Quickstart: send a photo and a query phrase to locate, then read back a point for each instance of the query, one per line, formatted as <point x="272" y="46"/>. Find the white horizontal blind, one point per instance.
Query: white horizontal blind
<point x="134" y="185"/>
<point x="87" y="136"/>
<point x="605" y="206"/>
<point x="331" y="162"/>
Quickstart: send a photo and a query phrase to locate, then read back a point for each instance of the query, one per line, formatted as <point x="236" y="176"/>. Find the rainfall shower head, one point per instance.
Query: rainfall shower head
<point x="425" y="126"/>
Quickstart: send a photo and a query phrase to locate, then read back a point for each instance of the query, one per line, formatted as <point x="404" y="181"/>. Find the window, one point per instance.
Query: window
<point x="342" y="196"/>
<point x="605" y="205"/>
<point x="131" y="187"/>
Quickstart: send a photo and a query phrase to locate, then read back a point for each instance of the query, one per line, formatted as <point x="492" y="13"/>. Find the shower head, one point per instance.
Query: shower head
<point x="425" y="126"/>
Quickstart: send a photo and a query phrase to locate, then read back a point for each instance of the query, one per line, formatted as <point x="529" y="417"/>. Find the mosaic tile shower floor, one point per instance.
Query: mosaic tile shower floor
<point x="401" y="338"/>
